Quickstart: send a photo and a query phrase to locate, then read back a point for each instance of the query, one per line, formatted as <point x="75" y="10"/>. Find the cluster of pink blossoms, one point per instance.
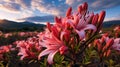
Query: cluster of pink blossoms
<point x="58" y="36"/>
<point x="5" y="49"/>
<point x="6" y="35"/>
<point x="64" y="30"/>
<point x="117" y="31"/>
<point x="29" y="48"/>
<point x="104" y="45"/>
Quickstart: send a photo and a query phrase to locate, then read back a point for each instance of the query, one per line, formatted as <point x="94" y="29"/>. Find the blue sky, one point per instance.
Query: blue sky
<point x="21" y="10"/>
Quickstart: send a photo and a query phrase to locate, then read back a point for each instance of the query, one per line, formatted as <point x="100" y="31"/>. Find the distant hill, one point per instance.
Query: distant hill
<point x="39" y="19"/>
<point x="111" y="23"/>
<point x="6" y="24"/>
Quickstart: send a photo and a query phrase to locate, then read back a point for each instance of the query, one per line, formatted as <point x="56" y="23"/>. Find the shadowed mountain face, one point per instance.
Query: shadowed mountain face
<point x="12" y="24"/>
<point x="39" y="19"/>
<point x="17" y="25"/>
<point x="111" y="23"/>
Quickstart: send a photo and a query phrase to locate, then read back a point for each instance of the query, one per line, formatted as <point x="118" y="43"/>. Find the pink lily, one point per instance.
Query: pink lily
<point x="52" y="45"/>
<point x="104" y="45"/>
<point x="4" y="49"/>
<point x="117" y="29"/>
<point x="61" y="23"/>
<point x="68" y="12"/>
<point x="65" y="35"/>
<point x="26" y="48"/>
<point x="95" y="19"/>
<point x="83" y="8"/>
<point x="59" y="32"/>
<point x="79" y="20"/>
<point x="81" y="24"/>
<point x="116" y="45"/>
<point x="26" y="54"/>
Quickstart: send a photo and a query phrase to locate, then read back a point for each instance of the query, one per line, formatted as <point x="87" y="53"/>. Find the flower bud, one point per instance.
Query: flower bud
<point x="48" y="26"/>
<point x="68" y="12"/>
<point x="100" y="19"/>
<point x="95" y="19"/>
<point x="85" y="6"/>
<point x="63" y="50"/>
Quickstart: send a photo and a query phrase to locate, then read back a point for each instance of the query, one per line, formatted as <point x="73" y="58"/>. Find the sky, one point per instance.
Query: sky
<point x="32" y="10"/>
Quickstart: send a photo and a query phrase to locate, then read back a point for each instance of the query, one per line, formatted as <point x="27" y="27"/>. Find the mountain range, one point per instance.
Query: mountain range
<point x="39" y="19"/>
<point x="17" y="25"/>
<point x="108" y="24"/>
<point x="6" y="24"/>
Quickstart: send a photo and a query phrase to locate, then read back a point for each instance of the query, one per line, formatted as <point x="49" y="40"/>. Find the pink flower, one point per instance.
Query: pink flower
<point x="95" y="19"/>
<point x="52" y="45"/>
<point x="80" y="24"/>
<point x="83" y="8"/>
<point x="7" y="35"/>
<point x="28" y="48"/>
<point x="79" y="20"/>
<point x="53" y="29"/>
<point x="68" y="12"/>
<point x="117" y="29"/>
<point x="4" y="49"/>
<point x="65" y="35"/>
<point x="26" y="54"/>
<point x="100" y="20"/>
<point x="21" y="33"/>
<point x="103" y="45"/>
<point x="116" y="45"/>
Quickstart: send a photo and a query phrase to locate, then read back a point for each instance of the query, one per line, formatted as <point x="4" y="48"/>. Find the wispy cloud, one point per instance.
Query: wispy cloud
<point x="54" y="7"/>
<point x="44" y="7"/>
<point x="11" y="7"/>
<point x="103" y="4"/>
<point x="24" y="3"/>
<point x="112" y="18"/>
<point x="70" y="2"/>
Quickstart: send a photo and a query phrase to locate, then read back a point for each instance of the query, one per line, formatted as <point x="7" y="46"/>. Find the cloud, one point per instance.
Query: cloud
<point x="70" y="2"/>
<point x="45" y="7"/>
<point x="8" y="1"/>
<point x="15" y="5"/>
<point x="112" y="18"/>
<point x="24" y="3"/>
<point x="104" y="4"/>
<point x="11" y="7"/>
<point x="54" y="7"/>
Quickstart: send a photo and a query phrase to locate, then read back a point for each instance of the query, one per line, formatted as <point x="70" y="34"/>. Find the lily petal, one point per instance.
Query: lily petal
<point x="90" y="26"/>
<point x="45" y="52"/>
<point x="81" y="33"/>
<point x="50" y="57"/>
